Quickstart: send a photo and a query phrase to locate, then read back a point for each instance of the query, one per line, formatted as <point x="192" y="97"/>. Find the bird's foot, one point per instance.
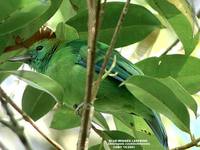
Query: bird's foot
<point x="79" y="108"/>
<point x="109" y="71"/>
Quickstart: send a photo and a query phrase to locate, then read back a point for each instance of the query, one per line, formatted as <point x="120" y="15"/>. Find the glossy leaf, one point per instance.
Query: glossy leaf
<point x="160" y="98"/>
<point x="138" y="23"/>
<point x="138" y="127"/>
<point x="21" y="19"/>
<point x="179" y="22"/>
<point x="190" y="83"/>
<point x="124" y="123"/>
<point x="39" y="81"/>
<point x="184" y="69"/>
<point x="100" y="120"/>
<point x="181" y="93"/>
<point x="78" y="5"/>
<point x="36" y="103"/>
<point x="65" y="118"/>
<point x="133" y="122"/>
<point x="97" y="147"/>
<point x="66" y="33"/>
<point x="6" y="65"/>
<point x="153" y="143"/>
<point x="6" y="55"/>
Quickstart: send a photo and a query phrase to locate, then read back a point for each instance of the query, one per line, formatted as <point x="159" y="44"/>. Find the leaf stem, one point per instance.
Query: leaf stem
<point x="7" y="99"/>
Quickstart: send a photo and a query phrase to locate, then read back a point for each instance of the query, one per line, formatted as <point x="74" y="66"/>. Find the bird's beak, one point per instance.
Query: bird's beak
<point x="22" y="58"/>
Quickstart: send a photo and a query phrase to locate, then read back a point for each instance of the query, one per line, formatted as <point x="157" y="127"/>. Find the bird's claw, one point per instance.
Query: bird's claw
<point x="79" y="108"/>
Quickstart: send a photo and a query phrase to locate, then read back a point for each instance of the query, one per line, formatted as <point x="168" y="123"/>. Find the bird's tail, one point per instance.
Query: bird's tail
<point x="157" y="127"/>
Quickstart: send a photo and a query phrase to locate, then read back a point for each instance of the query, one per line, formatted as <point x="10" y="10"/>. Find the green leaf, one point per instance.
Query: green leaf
<point x="6" y="65"/>
<point x="97" y="147"/>
<point x="124" y="122"/>
<point x="66" y="33"/>
<point x="79" y="5"/>
<point x="184" y="69"/>
<point x="181" y="93"/>
<point x="6" y="55"/>
<point x="23" y="18"/>
<point x="33" y="102"/>
<point x="138" y="23"/>
<point x="65" y="118"/>
<point x="160" y="98"/>
<point x="190" y="83"/>
<point x="179" y="22"/>
<point x="153" y="142"/>
<point x="115" y="137"/>
<point x="64" y="12"/>
<point x="136" y="125"/>
<point x="100" y="120"/>
<point x="39" y="81"/>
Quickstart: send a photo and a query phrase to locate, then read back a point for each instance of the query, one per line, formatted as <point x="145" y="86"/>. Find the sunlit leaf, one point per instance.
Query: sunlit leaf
<point x="160" y="98"/>
<point x="65" y="118"/>
<point x="21" y="19"/>
<point x="138" y="23"/>
<point x="36" y="103"/>
<point x="183" y="68"/>
<point x="39" y="81"/>
<point x="66" y="33"/>
<point x="179" y="22"/>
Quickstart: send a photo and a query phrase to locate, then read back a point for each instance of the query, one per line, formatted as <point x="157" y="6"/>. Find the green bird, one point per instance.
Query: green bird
<point x="66" y="63"/>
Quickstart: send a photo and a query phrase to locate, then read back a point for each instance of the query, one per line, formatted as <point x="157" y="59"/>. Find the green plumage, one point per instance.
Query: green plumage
<point x="66" y="63"/>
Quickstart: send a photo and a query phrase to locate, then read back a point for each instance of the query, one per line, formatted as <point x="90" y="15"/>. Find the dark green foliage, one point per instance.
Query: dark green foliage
<point x="155" y="85"/>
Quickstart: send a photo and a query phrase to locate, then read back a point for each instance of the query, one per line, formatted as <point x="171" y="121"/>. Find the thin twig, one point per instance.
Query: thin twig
<point x="2" y="146"/>
<point x="189" y="145"/>
<point x="14" y="125"/>
<point x="93" y="22"/>
<point x="110" y="49"/>
<point x="92" y="87"/>
<point x="170" y="47"/>
<point x="8" y="125"/>
<point x="7" y="99"/>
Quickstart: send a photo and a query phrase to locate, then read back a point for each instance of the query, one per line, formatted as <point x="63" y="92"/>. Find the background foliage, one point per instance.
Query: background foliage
<point x="175" y="76"/>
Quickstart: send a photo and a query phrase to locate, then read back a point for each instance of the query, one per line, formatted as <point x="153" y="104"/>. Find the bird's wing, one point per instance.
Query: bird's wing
<point x="120" y="67"/>
<point x="122" y="70"/>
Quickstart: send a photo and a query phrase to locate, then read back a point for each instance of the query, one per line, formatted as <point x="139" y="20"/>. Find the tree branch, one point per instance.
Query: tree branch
<point x="2" y="146"/>
<point x="7" y="99"/>
<point x="92" y="87"/>
<point x="93" y="22"/>
<point x="189" y="145"/>
<point x="170" y="47"/>
<point x="14" y="125"/>
<point x="110" y="49"/>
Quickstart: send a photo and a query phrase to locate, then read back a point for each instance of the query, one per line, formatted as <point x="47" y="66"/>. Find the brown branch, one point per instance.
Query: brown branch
<point x="170" y="47"/>
<point x="2" y="146"/>
<point x="110" y="49"/>
<point x="93" y="22"/>
<point x="14" y="125"/>
<point x="7" y="99"/>
<point x="189" y="145"/>
<point x="92" y="87"/>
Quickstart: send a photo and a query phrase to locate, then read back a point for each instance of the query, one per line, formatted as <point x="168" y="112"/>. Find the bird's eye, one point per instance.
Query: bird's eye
<point x="38" y="48"/>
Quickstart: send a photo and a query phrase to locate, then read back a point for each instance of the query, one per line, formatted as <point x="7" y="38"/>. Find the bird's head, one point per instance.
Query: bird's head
<point x="38" y="55"/>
